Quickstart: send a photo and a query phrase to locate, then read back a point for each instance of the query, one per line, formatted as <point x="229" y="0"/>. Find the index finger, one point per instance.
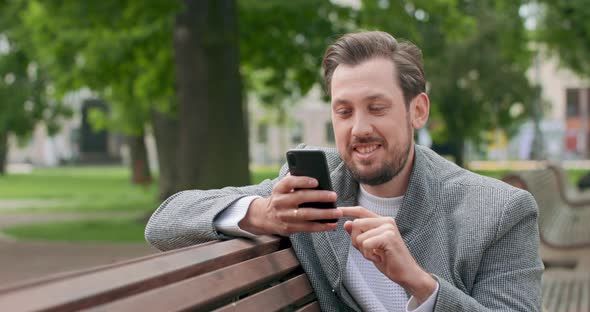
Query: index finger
<point x="291" y="182"/>
<point x="357" y="212"/>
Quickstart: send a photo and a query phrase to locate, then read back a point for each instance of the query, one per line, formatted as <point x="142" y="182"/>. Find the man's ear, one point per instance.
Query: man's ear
<point x="419" y="110"/>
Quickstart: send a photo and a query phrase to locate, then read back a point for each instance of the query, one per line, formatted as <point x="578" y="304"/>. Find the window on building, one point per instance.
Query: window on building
<point x="262" y="133"/>
<point x="329" y="132"/>
<point x="572" y="102"/>
<point x="297" y="133"/>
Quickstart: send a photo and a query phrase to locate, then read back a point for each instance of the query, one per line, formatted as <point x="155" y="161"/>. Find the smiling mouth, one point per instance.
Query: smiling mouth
<point x="366" y="149"/>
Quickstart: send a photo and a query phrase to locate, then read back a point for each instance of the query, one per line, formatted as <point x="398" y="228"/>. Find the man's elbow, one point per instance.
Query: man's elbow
<point x="154" y="235"/>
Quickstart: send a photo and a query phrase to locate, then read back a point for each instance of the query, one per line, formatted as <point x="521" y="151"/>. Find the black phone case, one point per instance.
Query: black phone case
<point x="312" y="163"/>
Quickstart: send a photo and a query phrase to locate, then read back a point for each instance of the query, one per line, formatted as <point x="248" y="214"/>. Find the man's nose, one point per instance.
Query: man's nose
<point x="362" y="127"/>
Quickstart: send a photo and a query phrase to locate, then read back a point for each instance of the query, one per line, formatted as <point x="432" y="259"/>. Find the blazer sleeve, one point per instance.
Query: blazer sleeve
<point x="186" y="218"/>
<point x="509" y="275"/>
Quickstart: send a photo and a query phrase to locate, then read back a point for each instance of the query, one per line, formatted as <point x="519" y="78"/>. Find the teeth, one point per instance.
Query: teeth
<point x="367" y="149"/>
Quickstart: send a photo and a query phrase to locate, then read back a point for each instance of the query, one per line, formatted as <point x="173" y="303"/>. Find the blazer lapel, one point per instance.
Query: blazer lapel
<point x="419" y="204"/>
<point x="338" y="240"/>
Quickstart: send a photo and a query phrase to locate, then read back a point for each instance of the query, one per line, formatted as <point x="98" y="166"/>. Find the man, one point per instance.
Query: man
<point x="426" y="235"/>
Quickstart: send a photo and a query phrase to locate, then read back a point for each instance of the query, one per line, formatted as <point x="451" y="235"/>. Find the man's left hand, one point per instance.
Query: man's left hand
<point x="379" y="240"/>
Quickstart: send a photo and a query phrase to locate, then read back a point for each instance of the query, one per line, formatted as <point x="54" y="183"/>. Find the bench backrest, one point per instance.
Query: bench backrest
<point x="560" y="224"/>
<point x="233" y="275"/>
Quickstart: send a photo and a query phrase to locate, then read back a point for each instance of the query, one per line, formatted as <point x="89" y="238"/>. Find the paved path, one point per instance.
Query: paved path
<point x="21" y="260"/>
<point x="16" y="218"/>
<point x="28" y="203"/>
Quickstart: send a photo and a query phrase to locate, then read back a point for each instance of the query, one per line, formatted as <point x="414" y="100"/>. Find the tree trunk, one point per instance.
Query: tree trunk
<point x="458" y="151"/>
<point x="213" y="138"/>
<point x="166" y="135"/>
<point x="3" y="151"/>
<point x="140" y="168"/>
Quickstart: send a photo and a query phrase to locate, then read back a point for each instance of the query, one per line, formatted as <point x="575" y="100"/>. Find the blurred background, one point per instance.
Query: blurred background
<point x="109" y="107"/>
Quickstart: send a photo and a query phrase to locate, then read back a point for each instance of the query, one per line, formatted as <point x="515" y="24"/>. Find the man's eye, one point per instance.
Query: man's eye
<point x="343" y="112"/>
<point x="377" y="108"/>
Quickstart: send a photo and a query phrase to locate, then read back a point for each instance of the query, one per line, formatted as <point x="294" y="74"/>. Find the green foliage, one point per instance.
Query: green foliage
<point x="282" y="43"/>
<point x="564" y="28"/>
<point x="24" y="88"/>
<point x="122" y="50"/>
<point x="476" y="81"/>
<point x="111" y="231"/>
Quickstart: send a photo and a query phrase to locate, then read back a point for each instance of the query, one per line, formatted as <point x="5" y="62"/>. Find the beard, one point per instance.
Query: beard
<point x="389" y="168"/>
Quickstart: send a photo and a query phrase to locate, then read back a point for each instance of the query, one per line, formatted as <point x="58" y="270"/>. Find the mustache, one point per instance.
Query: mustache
<point x="365" y="140"/>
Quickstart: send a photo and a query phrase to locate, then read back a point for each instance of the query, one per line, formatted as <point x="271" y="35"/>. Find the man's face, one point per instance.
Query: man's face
<point x="371" y="123"/>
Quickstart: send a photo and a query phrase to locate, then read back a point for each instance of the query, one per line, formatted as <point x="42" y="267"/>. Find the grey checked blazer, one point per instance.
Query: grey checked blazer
<point x="477" y="236"/>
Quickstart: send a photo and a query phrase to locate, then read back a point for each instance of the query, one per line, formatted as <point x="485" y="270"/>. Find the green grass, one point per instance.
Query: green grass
<point x="261" y="173"/>
<point x="80" y="189"/>
<point x="90" y="189"/>
<point x="112" y="231"/>
<point x="575" y="175"/>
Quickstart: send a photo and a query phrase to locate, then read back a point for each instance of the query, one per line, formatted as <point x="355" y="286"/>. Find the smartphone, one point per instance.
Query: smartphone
<point x="312" y="163"/>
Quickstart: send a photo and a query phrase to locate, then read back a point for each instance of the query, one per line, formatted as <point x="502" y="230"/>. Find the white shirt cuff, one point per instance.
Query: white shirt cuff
<point x="227" y="221"/>
<point x="426" y="306"/>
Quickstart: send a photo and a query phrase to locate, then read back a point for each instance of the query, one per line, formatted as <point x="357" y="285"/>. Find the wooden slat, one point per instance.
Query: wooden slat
<point x="99" y="286"/>
<point x="275" y="298"/>
<point x="52" y="278"/>
<point x="585" y="296"/>
<point x="565" y="302"/>
<point x="312" y="307"/>
<point x="548" y="295"/>
<point x="567" y="291"/>
<point x="202" y="293"/>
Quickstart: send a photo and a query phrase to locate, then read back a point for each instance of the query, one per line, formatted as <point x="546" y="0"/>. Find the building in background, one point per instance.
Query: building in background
<point x="307" y="121"/>
<point x="76" y="142"/>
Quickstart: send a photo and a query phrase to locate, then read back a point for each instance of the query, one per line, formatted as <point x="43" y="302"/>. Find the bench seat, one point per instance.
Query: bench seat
<point x="234" y="275"/>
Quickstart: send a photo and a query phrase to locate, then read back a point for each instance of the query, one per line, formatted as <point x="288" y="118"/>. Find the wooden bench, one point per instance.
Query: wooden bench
<point x="568" y="192"/>
<point x="233" y="275"/>
<point x="566" y="291"/>
<point x="563" y="228"/>
<point x="561" y="224"/>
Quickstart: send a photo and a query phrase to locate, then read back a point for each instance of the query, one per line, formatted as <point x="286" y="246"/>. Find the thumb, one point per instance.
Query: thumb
<point x="348" y="226"/>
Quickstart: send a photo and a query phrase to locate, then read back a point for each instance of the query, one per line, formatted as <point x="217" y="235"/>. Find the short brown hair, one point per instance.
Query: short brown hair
<point x="355" y="48"/>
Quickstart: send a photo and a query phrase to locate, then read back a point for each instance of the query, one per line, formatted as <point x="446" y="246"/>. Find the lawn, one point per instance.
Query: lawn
<point x="80" y="189"/>
<point x="112" y="231"/>
<point x="87" y="189"/>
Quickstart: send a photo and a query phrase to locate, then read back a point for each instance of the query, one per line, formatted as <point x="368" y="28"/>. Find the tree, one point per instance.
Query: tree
<point x="485" y="76"/>
<point x="124" y="51"/>
<point x="119" y="51"/>
<point x="564" y="28"/>
<point x="23" y="87"/>
<point x="213" y="139"/>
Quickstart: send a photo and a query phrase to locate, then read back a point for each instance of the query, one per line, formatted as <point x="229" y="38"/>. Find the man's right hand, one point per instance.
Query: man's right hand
<point x="279" y="213"/>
